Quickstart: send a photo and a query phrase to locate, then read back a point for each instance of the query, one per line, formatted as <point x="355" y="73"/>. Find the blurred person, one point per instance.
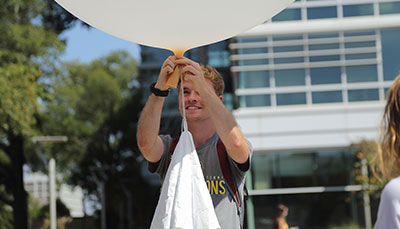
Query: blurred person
<point x="386" y="164"/>
<point x="280" y="218"/>
<point x="210" y="124"/>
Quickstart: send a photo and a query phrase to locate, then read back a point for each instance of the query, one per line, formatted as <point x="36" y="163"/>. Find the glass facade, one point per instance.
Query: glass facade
<point x="296" y="171"/>
<point x="312" y="210"/>
<point x="302" y="169"/>
<point x="293" y="70"/>
<point x="313" y="68"/>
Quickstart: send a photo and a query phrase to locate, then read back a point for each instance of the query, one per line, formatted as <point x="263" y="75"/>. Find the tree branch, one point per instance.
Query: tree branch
<point x="5" y="199"/>
<point x="5" y="148"/>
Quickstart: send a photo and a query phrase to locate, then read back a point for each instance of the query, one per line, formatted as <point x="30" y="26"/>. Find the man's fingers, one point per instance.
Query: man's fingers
<point x="169" y="69"/>
<point x="185" y="61"/>
<point x="169" y="61"/>
<point x="188" y="69"/>
<point x="169" y="65"/>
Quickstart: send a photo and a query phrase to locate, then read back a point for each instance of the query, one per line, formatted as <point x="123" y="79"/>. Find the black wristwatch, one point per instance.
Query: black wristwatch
<point x="158" y="92"/>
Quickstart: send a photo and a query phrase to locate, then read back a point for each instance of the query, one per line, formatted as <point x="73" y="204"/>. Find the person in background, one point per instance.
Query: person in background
<point x="386" y="164"/>
<point x="280" y="218"/>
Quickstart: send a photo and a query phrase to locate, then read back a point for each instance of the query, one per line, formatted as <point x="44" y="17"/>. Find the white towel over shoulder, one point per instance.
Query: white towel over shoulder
<point x="185" y="201"/>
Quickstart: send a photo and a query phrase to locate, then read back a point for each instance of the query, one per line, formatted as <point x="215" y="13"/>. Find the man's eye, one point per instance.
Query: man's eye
<point x="185" y="92"/>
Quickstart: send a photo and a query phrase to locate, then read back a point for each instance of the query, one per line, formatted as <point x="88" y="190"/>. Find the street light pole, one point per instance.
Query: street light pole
<point x="52" y="176"/>
<point x="52" y="193"/>
<point x="102" y="191"/>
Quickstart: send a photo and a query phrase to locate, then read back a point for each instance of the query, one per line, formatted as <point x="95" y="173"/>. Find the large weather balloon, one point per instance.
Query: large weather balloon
<point x="177" y="25"/>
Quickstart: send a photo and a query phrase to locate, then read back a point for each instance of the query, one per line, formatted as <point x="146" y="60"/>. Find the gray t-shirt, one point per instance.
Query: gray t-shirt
<point x="224" y="205"/>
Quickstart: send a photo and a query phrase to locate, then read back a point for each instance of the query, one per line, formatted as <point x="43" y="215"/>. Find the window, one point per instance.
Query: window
<point x="255" y="100"/>
<point x="293" y="48"/>
<point x="288" y="15"/>
<point x="360" y="56"/>
<point x="361" y="73"/>
<point x="251" y="39"/>
<point x="252" y="50"/>
<point x="363" y="95"/>
<point x="359" y="44"/>
<point x="290" y="99"/>
<point x="322" y="12"/>
<point x="287" y="37"/>
<point x="324" y="46"/>
<point x="253" y="62"/>
<point x="292" y="77"/>
<point x="389" y="7"/>
<point x="359" y="33"/>
<point x="288" y="60"/>
<point x="311" y="210"/>
<point x="323" y="35"/>
<point x="329" y="75"/>
<point x="288" y="170"/>
<point x="390" y="53"/>
<point x="254" y="79"/>
<point x="324" y="58"/>
<point x="327" y="97"/>
<point x="358" y="10"/>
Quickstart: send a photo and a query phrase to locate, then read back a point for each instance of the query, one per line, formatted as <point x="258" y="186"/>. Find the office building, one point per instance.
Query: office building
<point x="311" y="83"/>
<point x="307" y="85"/>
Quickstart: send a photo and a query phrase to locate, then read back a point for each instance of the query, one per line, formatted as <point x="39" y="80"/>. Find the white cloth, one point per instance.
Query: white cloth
<point x="389" y="206"/>
<point x="184" y="200"/>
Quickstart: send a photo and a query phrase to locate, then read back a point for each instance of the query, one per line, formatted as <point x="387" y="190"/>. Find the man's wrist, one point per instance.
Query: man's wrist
<point x="158" y="92"/>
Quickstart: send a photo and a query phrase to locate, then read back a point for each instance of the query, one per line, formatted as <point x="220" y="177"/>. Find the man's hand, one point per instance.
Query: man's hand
<point x="192" y="71"/>
<point x="166" y="70"/>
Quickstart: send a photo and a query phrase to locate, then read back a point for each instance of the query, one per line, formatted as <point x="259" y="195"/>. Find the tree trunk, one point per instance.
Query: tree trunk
<point x="20" y="208"/>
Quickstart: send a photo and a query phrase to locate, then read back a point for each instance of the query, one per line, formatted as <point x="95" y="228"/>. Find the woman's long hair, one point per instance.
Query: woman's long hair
<point x="386" y="163"/>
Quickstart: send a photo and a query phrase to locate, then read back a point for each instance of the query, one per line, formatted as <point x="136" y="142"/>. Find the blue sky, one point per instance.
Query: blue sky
<point x="86" y="44"/>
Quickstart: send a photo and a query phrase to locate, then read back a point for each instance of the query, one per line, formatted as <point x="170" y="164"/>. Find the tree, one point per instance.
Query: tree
<point x="97" y="105"/>
<point x="27" y="43"/>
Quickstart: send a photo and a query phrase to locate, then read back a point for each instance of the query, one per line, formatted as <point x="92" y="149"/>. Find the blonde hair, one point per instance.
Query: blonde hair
<point x="386" y="163"/>
<point x="213" y="75"/>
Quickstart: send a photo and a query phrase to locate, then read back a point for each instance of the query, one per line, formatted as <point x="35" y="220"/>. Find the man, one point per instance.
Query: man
<point x="208" y="121"/>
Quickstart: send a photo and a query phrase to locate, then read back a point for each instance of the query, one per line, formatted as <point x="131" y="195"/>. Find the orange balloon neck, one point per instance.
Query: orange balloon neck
<point x="174" y="77"/>
<point x="179" y="52"/>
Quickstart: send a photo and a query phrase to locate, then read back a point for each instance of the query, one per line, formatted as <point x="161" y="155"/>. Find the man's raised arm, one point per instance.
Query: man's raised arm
<point x="149" y="142"/>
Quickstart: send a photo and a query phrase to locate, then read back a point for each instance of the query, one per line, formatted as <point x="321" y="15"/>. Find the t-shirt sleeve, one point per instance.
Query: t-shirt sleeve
<point x="389" y="206"/>
<point x="245" y="166"/>
<point x="161" y="166"/>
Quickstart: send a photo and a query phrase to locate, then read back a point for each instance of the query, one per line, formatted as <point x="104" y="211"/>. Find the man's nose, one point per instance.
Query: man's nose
<point x="192" y="97"/>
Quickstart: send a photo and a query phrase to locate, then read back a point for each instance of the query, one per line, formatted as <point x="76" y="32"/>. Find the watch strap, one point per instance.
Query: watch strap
<point x="158" y="92"/>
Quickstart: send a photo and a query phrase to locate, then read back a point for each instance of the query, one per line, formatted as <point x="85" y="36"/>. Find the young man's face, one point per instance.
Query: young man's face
<point x="194" y="107"/>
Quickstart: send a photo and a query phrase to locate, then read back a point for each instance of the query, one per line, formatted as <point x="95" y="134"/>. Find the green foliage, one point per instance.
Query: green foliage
<point x="366" y="149"/>
<point x="85" y="95"/>
<point x="28" y="49"/>
<point x="39" y="215"/>
<point x="97" y="105"/>
<point x="346" y="226"/>
<point x="6" y="218"/>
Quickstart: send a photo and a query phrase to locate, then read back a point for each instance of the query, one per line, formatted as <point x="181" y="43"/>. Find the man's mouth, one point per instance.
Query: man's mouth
<point x="193" y="108"/>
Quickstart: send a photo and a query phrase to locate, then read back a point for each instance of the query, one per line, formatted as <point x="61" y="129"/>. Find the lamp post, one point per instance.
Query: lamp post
<point x="102" y="191"/>
<point x="52" y="175"/>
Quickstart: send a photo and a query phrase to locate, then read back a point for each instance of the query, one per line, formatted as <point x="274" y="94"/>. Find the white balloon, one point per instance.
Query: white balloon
<point x="177" y="25"/>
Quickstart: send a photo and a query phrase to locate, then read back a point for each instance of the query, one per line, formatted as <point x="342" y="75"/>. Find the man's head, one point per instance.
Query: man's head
<point x="195" y="108"/>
